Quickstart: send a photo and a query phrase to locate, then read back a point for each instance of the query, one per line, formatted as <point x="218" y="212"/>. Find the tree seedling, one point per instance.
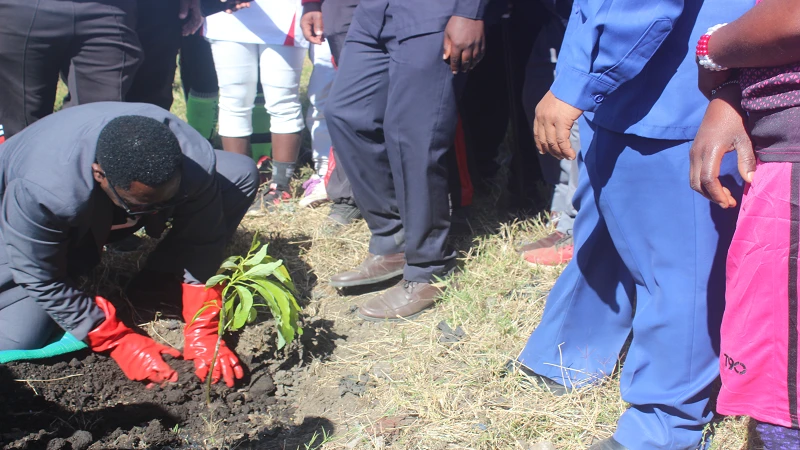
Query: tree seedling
<point x="245" y="280"/>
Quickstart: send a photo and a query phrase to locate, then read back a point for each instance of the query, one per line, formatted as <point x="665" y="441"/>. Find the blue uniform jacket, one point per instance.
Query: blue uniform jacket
<point x="630" y="63"/>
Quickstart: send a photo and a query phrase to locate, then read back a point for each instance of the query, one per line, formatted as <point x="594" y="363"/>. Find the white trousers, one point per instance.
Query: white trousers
<point x="238" y="66"/>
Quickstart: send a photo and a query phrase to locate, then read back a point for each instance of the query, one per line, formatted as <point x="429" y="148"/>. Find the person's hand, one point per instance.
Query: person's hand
<point x="190" y="9"/>
<point x="552" y="125"/>
<point x="464" y="43"/>
<point x="201" y="308"/>
<point x="311" y="24"/>
<point x="139" y="357"/>
<point x="200" y="349"/>
<point x="235" y="5"/>
<point x="722" y="131"/>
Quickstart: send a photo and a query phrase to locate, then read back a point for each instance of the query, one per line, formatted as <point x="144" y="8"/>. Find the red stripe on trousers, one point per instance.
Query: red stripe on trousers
<point x="460" y="145"/>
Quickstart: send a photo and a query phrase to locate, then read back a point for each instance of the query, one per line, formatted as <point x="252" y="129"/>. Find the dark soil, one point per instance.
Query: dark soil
<point x="85" y="402"/>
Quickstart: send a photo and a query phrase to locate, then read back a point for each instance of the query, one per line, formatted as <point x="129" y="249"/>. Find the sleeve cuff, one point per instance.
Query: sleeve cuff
<point x="92" y="320"/>
<point x="311" y="6"/>
<point x="470" y="9"/>
<point x="581" y="90"/>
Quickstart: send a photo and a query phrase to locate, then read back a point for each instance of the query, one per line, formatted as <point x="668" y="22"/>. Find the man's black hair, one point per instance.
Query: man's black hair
<point x="138" y="148"/>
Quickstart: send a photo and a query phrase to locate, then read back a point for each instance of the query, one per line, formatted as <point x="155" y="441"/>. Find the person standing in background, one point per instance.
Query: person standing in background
<point x="650" y="252"/>
<point x="160" y="27"/>
<point x="560" y="175"/>
<point x="337" y="14"/>
<point x="319" y="87"/>
<point x="392" y="115"/>
<point x="264" y="40"/>
<point x="200" y="87"/>
<point x="749" y="72"/>
<point x="96" y="40"/>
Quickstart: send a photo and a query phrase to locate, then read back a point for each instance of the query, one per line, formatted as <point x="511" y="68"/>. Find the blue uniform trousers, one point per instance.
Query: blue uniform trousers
<point x="392" y="116"/>
<point x="650" y="259"/>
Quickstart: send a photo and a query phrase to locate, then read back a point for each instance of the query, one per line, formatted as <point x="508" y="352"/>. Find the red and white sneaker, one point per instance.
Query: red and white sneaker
<point x="552" y="250"/>
<point x="269" y="200"/>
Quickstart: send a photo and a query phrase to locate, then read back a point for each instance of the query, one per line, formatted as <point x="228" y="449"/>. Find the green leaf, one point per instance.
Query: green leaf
<point x="263" y="270"/>
<point x="283" y="275"/>
<point x="228" y="311"/>
<point x="281" y="341"/>
<point x="252" y="316"/>
<point x="281" y="307"/>
<point x="239" y="317"/>
<point x="200" y="311"/>
<point x="269" y="299"/>
<point x="216" y="279"/>
<point x="254" y="245"/>
<point x="257" y="258"/>
<point x="243" y="308"/>
<point x="285" y="301"/>
<point x="228" y="265"/>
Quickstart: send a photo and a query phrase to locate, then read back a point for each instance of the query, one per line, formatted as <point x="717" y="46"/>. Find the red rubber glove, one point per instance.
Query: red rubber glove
<point x="201" y="335"/>
<point x="138" y="356"/>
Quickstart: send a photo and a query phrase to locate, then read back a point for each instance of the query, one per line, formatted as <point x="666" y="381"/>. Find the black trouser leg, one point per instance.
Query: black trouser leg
<point x="159" y="31"/>
<point x="40" y="38"/>
<point x="197" y="66"/>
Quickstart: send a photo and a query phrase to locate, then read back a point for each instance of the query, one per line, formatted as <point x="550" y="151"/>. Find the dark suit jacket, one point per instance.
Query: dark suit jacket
<point x="54" y="215"/>
<point x="416" y="17"/>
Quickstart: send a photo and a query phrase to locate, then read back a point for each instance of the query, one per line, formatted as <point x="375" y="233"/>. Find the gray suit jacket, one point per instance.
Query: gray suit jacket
<point x="53" y="214"/>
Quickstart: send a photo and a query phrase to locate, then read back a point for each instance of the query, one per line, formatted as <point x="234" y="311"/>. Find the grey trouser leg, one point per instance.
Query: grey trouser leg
<point x="399" y="179"/>
<point x="24" y="325"/>
<point x="566" y="187"/>
<point x="238" y="178"/>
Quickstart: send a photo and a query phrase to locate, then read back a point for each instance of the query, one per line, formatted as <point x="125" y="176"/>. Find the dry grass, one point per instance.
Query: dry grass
<point x="448" y="396"/>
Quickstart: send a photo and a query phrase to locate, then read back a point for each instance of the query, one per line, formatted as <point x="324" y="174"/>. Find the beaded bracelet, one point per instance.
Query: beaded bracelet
<point x="718" y="88"/>
<point x="702" y="50"/>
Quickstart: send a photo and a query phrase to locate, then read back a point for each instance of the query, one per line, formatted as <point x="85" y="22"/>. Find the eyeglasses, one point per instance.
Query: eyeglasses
<point x="144" y="210"/>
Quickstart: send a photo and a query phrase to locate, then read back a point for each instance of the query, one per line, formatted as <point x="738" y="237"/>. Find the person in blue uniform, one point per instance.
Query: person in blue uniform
<point x="392" y="117"/>
<point x="650" y="252"/>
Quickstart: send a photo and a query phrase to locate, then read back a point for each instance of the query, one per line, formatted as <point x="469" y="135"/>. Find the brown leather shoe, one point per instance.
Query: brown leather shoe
<point x="374" y="269"/>
<point x="405" y="301"/>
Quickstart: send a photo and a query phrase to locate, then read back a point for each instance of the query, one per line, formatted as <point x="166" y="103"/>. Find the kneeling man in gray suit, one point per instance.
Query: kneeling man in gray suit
<point x="92" y="174"/>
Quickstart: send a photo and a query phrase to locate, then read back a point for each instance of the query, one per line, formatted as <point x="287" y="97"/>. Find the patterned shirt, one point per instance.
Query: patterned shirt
<point x="770" y="88"/>
<point x="771" y="97"/>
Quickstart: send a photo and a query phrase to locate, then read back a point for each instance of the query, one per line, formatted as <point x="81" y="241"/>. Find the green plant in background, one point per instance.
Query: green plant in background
<point x="246" y="279"/>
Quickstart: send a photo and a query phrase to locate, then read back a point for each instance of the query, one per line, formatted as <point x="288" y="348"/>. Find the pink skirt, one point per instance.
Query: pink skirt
<point x="759" y="350"/>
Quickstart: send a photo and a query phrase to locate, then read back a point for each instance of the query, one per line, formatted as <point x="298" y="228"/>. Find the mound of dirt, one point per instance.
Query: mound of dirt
<point x="89" y="404"/>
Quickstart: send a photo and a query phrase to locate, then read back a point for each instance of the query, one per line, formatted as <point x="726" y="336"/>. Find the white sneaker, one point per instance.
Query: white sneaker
<point x="315" y="193"/>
